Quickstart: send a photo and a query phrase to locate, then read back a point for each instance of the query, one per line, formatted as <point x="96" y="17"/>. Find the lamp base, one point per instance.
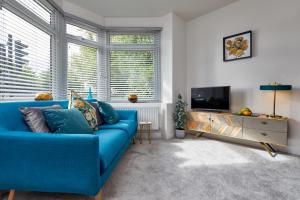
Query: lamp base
<point x="274" y="116"/>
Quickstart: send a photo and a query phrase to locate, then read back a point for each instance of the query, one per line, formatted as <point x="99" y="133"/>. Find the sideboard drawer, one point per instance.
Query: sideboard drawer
<point x="272" y="137"/>
<point x="265" y="124"/>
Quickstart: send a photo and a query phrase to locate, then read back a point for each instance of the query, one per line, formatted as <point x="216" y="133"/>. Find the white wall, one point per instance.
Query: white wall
<point x="179" y="58"/>
<point x="276" y="29"/>
<point x="83" y="13"/>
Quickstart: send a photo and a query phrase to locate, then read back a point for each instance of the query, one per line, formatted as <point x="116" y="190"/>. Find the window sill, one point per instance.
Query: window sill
<point x="135" y="104"/>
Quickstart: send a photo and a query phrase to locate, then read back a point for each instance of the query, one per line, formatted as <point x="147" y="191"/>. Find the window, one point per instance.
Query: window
<point x="25" y="58"/>
<point x="82" y="59"/>
<point x="134" y="66"/>
<point x="82" y="68"/>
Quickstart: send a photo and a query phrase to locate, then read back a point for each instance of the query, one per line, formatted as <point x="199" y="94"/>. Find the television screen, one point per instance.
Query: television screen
<point x="211" y="98"/>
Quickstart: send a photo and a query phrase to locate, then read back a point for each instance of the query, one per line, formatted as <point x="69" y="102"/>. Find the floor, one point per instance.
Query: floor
<point x="194" y="169"/>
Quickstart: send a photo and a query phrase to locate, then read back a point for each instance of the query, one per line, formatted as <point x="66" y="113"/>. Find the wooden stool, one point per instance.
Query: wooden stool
<point x="145" y="126"/>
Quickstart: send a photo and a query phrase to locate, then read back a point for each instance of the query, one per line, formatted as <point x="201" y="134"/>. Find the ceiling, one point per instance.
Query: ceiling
<point x="186" y="9"/>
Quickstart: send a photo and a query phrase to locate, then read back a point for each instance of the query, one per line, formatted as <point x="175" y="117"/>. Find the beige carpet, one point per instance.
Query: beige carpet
<point x="196" y="169"/>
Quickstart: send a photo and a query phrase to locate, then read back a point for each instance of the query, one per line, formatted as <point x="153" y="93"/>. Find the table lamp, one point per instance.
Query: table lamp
<point x="275" y="87"/>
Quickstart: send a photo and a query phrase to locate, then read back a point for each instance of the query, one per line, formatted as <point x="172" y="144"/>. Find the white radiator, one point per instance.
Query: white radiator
<point x="146" y="112"/>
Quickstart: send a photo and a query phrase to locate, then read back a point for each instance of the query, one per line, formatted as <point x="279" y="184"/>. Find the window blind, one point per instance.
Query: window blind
<point x="81" y="33"/>
<point x="82" y="68"/>
<point x="134" y="65"/>
<point x="37" y="8"/>
<point x="25" y="58"/>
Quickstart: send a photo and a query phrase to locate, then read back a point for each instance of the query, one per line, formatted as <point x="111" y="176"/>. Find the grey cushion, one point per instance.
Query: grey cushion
<point x="35" y="119"/>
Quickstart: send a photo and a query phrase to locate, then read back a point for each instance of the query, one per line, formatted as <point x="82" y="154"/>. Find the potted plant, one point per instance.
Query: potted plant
<point x="180" y="117"/>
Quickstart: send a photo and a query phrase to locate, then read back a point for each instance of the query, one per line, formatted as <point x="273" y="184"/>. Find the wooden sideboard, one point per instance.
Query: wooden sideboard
<point x="266" y="131"/>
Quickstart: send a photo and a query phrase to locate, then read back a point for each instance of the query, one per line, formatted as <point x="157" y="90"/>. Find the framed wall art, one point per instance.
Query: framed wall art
<point x="238" y="46"/>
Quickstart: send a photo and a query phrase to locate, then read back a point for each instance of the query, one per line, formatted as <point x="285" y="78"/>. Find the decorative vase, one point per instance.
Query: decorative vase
<point x="90" y="93"/>
<point x="45" y="96"/>
<point x="132" y="98"/>
<point x="180" y="134"/>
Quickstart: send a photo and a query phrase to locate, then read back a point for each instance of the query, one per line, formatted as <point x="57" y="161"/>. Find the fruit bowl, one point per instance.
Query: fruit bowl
<point x="245" y="112"/>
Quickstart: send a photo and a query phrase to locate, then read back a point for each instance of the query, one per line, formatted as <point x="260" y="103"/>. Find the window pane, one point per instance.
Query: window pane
<point x="82" y="68"/>
<point x="25" y="58"/>
<point x="80" y="32"/>
<point x="132" y="72"/>
<point x="131" y="39"/>
<point x="37" y="9"/>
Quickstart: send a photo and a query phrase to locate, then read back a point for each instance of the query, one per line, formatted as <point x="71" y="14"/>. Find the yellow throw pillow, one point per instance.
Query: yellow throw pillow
<point x="88" y="111"/>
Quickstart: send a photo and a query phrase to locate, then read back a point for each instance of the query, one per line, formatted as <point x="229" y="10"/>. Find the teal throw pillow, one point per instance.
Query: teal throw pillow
<point x="110" y="116"/>
<point x="66" y="121"/>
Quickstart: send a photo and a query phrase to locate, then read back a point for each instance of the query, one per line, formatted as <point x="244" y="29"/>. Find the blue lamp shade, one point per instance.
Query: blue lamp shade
<point x="275" y="87"/>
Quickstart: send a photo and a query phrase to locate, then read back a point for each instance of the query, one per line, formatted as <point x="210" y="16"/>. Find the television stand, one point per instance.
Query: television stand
<point x="266" y="131"/>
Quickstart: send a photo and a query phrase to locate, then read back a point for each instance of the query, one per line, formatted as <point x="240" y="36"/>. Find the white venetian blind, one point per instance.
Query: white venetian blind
<point x="82" y="68"/>
<point x="134" y="66"/>
<point x="25" y="58"/>
<point x="37" y="8"/>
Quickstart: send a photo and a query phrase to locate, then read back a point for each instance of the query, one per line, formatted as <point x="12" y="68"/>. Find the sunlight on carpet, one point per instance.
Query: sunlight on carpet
<point x="192" y="152"/>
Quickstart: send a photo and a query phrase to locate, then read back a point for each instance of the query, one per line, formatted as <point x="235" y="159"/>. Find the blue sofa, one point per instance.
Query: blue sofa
<point x="67" y="163"/>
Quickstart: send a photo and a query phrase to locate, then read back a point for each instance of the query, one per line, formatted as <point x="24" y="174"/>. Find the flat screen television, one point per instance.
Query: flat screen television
<point x="211" y="98"/>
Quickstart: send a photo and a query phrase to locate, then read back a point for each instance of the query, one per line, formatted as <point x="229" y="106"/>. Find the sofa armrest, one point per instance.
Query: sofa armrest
<point x="49" y="162"/>
<point x="128" y="114"/>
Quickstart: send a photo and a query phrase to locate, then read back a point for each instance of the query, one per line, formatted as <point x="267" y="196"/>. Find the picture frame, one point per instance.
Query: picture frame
<point x="237" y="46"/>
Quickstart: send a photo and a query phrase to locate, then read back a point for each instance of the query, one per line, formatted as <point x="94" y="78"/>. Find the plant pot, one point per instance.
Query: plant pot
<point x="180" y="134"/>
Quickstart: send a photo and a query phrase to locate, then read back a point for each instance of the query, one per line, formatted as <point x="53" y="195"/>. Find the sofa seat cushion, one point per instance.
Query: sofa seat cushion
<point x="126" y="125"/>
<point x="111" y="142"/>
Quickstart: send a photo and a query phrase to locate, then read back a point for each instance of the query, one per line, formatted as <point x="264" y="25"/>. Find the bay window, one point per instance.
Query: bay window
<point x="43" y="50"/>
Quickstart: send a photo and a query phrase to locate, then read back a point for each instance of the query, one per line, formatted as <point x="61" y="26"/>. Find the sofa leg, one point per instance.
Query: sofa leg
<point x="11" y="195"/>
<point x="98" y="196"/>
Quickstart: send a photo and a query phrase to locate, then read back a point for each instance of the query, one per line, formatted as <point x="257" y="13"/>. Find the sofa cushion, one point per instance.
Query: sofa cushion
<point x="34" y="118"/>
<point x="88" y="111"/>
<point x="67" y="121"/>
<point x="111" y="142"/>
<point x="100" y="120"/>
<point x="126" y="125"/>
<point x="110" y="116"/>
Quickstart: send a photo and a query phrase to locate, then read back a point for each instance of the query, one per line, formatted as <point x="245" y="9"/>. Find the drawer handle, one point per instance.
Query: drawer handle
<point x="264" y="134"/>
<point x="264" y="123"/>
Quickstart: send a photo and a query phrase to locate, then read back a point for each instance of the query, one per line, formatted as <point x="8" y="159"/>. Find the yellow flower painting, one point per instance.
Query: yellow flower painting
<point x="238" y="46"/>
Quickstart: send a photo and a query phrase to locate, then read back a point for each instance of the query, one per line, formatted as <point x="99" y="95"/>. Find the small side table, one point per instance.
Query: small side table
<point x="145" y="127"/>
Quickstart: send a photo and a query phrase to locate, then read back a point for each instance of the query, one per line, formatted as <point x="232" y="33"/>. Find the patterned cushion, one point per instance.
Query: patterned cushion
<point x="99" y="117"/>
<point x="88" y="111"/>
